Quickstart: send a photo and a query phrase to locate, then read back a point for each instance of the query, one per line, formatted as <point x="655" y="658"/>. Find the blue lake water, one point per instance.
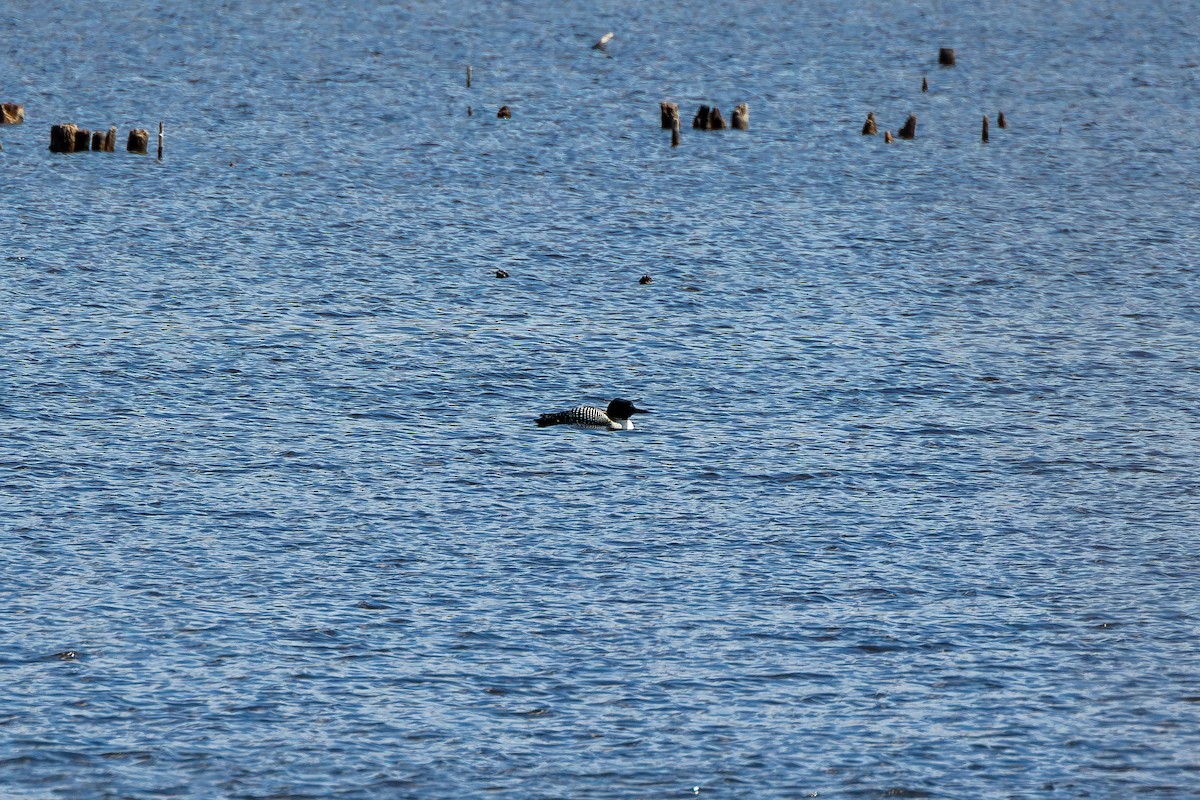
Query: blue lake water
<point x="916" y="512"/>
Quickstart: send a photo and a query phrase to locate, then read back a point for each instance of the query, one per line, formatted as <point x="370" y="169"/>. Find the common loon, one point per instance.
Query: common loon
<point x="615" y="418"/>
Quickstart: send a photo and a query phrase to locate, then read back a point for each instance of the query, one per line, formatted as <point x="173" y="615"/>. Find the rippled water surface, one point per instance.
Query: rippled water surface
<point x="916" y="510"/>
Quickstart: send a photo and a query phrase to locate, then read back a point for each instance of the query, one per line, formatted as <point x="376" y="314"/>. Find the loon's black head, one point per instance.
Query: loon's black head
<point x="623" y="409"/>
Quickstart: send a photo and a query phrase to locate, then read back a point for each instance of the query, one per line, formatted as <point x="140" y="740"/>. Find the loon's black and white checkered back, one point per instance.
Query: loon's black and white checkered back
<point x="585" y="416"/>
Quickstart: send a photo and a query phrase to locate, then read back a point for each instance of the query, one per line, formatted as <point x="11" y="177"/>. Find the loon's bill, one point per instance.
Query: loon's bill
<point x="615" y="418"/>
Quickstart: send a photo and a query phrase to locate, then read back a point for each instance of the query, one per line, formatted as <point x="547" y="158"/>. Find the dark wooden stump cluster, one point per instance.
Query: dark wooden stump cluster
<point x="711" y="119"/>
<point x="708" y="119"/>
<point x="11" y="114"/>
<point x="70" y="138"/>
<point x="946" y="58"/>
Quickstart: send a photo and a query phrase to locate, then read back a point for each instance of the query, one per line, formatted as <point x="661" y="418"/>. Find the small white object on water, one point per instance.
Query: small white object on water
<point x="605" y="39"/>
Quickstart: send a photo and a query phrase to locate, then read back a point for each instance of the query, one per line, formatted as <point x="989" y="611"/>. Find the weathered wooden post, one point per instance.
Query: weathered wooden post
<point x="887" y="137"/>
<point x="716" y="122"/>
<point x="110" y="140"/>
<point x="909" y="130"/>
<point x="669" y="114"/>
<point x="11" y="114"/>
<point x="946" y="56"/>
<point x="504" y="113"/>
<point x="82" y="138"/>
<point x="869" y="128"/>
<point x="675" y="134"/>
<point x="924" y="85"/>
<point x="985" y="127"/>
<point x="468" y="76"/>
<point x="97" y="141"/>
<point x="139" y="140"/>
<point x="62" y="138"/>
<point x="700" y="121"/>
<point x="1001" y="122"/>
<point x="740" y="121"/>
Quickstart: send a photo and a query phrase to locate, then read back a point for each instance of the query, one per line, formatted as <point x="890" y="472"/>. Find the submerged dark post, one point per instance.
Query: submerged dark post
<point x="740" y="121"/>
<point x="887" y="137"/>
<point x="869" y="128"/>
<point x="700" y="121"/>
<point x="669" y="114"/>
<point x="160" y="140"/>
<point x="909" y="131"/>
<point x="716" y="122"/>
<point x="924" y="85"/>
<point x="139" y="140"/>
<point x="468" y="76"/>
<point x="675" y="134"/>
<point x="97" y="141"/>
<point x="504" y="113"/>
<point x="11" y="114"/>
<point x="946" y="56"/>
<point x="985" y="127"/>
<point x="1001" y="122"/>
<point x="82" y="138"/>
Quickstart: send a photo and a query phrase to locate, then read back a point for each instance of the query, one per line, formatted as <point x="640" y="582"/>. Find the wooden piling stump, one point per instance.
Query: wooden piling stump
<point x="716" y="122"/>
<point x="504" y="113"/>
<point x="1001" y="122"/>
<point x="946" y="56"/>
<point x="984" y="135"/>
<point x="11" y="114"/>
<point x="924" y="85"/>
<point x="887" y="137"/>
<point x="740" y="121"/>
<point x="675" y="134"/>
<point x="62" y="138"/>
<point x="97" y="141"/>
<point x="909" y="131"/>
<point x="110" y="140"/>
<point x="83" y="138"/>
<point x="139" y="140"/>
<point x="669" y="114"/>
<point x="700" y="121"/>
<point x="868" y="128"/>
<point x="468" y="76"/>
